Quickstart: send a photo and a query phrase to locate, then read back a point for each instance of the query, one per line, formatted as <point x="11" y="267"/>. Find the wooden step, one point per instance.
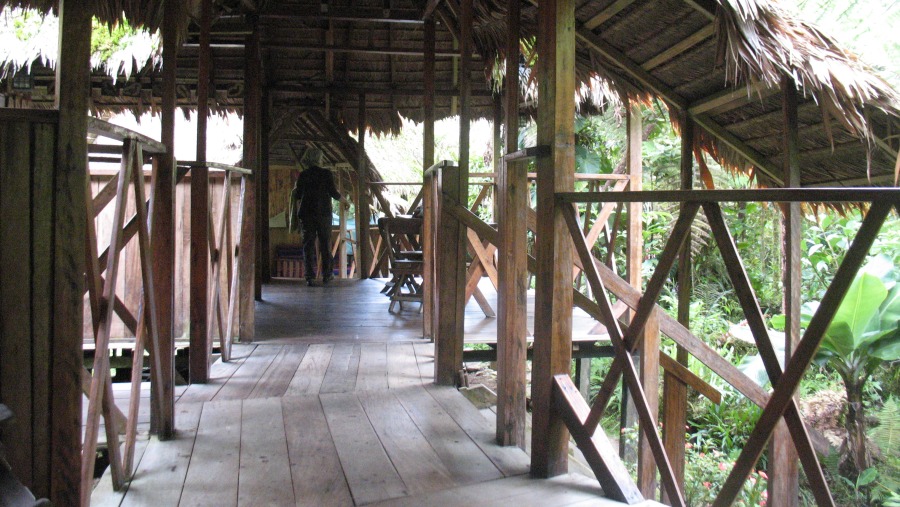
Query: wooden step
<point x="521" y="491"/>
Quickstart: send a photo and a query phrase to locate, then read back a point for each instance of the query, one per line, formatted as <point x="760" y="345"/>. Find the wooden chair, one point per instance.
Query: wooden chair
<point x="405" y="257"/>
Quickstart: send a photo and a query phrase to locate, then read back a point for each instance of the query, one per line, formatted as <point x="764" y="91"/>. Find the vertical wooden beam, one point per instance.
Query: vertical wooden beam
<point x="783" y="463"/>
<point x="555" y="173"/>
<point x="265" y="269"/>
<point x="73" y="85"/>
<point x="427" y="191"/>
<point x="465" y="94"/>
<point x="674" y="390"/>
<point x="363" y="215"/>
<point x="199" y="290"/>
<point x="452" y="243"/>
<point x="247" y="256"/>
<point x="163" y="243"/>
<point x="649" y="349"/>
<point x="497" y="153"/>
<point x="512" y="262"/>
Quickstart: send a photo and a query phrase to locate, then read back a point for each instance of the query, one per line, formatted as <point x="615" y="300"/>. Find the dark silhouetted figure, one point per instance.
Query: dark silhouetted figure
<point x="312" y="197"/>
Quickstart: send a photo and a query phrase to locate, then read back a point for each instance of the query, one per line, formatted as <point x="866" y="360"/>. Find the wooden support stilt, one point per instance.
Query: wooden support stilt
<point x="248" y="271"/>
<point x="199" y="260"/>
<point x="363" y="213"/>
<point x="513" y="205"/>
<point x="675" y="391"/>
<point x="451" y="243"/>
<point x="163" y="243"/>
<point x="556" y="173"/>
<point x="784" y="476"/>
<point x="450" y="274"/>
<point x="264" y="250"/>
<point x="650" y="341"/>
<point x="73" y="74"/>
<point x="428" y="282"/>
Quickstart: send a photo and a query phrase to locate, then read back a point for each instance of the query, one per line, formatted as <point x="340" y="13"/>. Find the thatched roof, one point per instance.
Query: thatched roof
<point x="721" y="64"/>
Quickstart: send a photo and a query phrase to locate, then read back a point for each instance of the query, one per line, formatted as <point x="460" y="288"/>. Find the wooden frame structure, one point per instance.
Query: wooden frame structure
<point x="49" y="153"/>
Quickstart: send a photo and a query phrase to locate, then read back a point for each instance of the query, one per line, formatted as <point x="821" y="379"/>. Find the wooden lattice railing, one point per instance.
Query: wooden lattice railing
<point x="224" y="253"/>
<point x="779" y="404"/>
<point x="102" y="269"/>
<point x="104" y="303"/>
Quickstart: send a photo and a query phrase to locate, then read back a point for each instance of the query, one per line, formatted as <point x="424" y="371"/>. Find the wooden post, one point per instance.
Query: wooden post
<point x="428" y="161"/>
<point x="497" y="154"/>
<point x="265" y="270"/>
<point x="247" y="269"/>
<point x="649" y="349"/>
<point x="512" y="266"/>
<point x="555" y="173"/>
<point x="674" y="390"/>
<point x="363" y="215"/>
<point x="199" y="291"/>
<point x="783" y="462"/>
<point x="163" y="243"/>
<point x="452" y="243"/>
<point x="73" y="85"/>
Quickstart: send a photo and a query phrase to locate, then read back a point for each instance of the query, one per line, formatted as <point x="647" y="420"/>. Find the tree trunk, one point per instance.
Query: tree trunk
<point x="856" y="453"/>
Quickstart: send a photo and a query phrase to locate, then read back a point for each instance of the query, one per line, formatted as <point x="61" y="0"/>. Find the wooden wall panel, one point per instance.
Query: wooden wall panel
<point x="15" y="294"/>
<point x="27" y="306"/>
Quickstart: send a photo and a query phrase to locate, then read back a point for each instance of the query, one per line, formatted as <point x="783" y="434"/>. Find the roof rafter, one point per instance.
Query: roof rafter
<point x="607" y="13"/>
<point x="669" y="96"/>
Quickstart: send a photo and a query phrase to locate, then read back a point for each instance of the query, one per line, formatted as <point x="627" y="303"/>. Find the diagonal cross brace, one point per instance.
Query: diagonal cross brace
<point x="803" y="355"/>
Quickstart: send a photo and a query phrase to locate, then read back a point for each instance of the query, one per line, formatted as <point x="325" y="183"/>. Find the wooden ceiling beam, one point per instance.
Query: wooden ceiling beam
<point x="342" y="48"/>
<point x="607" y="13"/>
<point x="732" y="98"/>
<point x="705" y="7"/>
<point x="284" y="89"/>
<point x="679" y="48"/>
<point x="655" y="85"/>
<point x="429" y="8"/>
<point x="405" y="16"/>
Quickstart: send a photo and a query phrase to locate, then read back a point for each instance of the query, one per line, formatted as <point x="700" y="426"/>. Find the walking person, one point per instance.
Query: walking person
<point x="311" y="199"/>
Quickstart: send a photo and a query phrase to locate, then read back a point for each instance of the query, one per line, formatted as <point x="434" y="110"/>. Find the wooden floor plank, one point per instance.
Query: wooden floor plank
<point x="425" y="360"/>
<point x="245" y="379"/>
<point x="311" y="372"/>
<point x="510" y="460"/>
<point x="104" y="495"/>
<point x="219" y="374"/>
<point x="265" y="477"/>
<point x="277" y="377"/>
<point x="160" y="476"/>
<point x="460" y="455"/>
<point x="212" y="475"/>
<point x="418" y="465"/>
<point x="315" y="467"/>
<point x="521" y="491"/>
<point x="342" y="370"/>
<point x="372" y="367"/>
<point x="402" y="367"/>
<point x="369" y="472"/>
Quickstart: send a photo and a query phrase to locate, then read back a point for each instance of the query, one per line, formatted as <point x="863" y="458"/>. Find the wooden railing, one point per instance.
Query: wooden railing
<point x="104" y="302"/>
<point x="778" y="405"/>
<point x="224" y="254"/>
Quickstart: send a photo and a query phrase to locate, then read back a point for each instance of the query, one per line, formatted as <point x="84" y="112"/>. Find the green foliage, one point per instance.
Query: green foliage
<point x="107" y="40"/>
<point x="864" y="332"/>
<point x="705" y="473"/>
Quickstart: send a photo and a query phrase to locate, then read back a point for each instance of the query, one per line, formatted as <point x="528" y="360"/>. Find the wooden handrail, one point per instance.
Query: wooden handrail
<point x="216" y="166"/>
<point x="843" y="195"/>
<point x="102" y="128"/>
<point x="527" y="154"/>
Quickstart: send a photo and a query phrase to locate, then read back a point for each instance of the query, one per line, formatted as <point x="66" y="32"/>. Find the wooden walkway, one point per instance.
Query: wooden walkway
<point x="333" y="405"/>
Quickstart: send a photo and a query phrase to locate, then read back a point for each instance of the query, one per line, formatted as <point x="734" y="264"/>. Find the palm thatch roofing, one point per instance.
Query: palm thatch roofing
<point x="720" y="63"/>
